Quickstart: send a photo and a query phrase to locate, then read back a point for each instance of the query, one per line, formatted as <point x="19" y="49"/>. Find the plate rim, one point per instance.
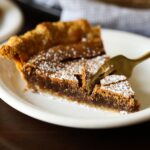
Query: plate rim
<point x="18" y="26"/>
<point x="31" y="110"/>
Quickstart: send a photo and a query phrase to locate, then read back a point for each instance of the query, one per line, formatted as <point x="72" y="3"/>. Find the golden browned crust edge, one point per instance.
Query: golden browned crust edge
<point x="46" y="35"/>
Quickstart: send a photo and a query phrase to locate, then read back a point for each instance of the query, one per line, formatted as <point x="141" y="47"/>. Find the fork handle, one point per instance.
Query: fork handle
<point x="142" y="58"/>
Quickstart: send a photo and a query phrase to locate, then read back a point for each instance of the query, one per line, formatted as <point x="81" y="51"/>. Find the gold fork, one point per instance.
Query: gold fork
<point x="120" y="65"/>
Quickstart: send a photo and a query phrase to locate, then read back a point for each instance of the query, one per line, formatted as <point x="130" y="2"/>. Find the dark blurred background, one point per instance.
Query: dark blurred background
<point x="127" y="15"/>
<point x="34" y="14"/>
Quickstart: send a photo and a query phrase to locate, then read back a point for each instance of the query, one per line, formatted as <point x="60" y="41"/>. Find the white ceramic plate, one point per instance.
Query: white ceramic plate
<point x="12" y="19"/>
<point x="62" y="112"/>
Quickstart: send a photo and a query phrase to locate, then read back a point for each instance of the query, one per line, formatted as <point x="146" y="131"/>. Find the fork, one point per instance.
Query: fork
<point x="120" y="65"/>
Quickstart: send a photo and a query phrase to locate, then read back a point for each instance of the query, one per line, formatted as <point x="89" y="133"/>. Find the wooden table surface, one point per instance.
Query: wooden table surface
<point x="20" y="132"/>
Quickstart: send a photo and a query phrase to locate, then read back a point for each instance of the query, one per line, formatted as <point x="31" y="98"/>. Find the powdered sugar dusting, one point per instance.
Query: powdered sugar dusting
<point x="62" y="52"/>
<point x="68" y="71"/>
<point x="94" y="64"/>
<point x="56" y="60"/>
<point x="112" y="79"/>
<point x="64" y="76"/>
<point x="122" y="88"/>
<point x="49" y="67"/>
<point x="73" y="68"/>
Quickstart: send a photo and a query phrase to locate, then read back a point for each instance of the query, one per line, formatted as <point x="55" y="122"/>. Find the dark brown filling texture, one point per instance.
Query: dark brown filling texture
<point x="77" y="94"/>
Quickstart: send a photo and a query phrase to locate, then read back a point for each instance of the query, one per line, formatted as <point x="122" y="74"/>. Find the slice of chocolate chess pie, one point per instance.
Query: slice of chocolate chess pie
<point x="61" y="56"/>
